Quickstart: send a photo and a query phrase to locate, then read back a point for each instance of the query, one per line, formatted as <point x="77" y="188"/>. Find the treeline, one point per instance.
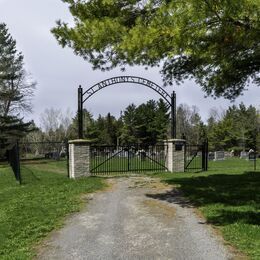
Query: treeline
<point x="147" y="123"/>
<point x="236" y="128"/>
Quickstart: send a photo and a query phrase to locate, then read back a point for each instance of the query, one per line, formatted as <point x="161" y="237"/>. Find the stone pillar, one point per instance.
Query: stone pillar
<point x="79" y="158"/>
<point x="175" y="159"/>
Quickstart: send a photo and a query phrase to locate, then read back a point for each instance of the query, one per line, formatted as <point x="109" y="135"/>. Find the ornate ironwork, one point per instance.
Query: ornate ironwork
<point x="127" y="79"/>
<point x="84" y="96"/>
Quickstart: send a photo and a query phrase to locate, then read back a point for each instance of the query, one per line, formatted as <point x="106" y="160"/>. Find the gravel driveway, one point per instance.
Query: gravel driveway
<point x="137" y="218"/>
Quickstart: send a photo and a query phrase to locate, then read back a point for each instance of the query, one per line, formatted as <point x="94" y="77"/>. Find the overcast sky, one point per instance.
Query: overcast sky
<point x="58" y="71"/>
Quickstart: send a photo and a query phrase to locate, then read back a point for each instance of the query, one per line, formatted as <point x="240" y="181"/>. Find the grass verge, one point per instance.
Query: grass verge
<point x="30" y="211"/>
<point x="229" y="198"/>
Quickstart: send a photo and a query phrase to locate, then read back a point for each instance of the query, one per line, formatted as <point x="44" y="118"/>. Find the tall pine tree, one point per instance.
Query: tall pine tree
<point x="16" y="89"/>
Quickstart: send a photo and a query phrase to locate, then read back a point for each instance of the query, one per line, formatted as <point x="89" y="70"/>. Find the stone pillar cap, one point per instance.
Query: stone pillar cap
<point x="175" y="140"/>
<point x="80" y="141"/>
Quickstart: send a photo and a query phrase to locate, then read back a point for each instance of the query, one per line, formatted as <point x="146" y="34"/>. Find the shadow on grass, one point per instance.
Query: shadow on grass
<point x="41" y="161"/>
<point x="226" y="217"/>
<point x="227" y="198"/>
<point x="28" y="176"/>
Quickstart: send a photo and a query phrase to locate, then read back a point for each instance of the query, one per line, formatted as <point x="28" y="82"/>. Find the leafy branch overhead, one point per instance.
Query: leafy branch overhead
<point x="213" y="41"/>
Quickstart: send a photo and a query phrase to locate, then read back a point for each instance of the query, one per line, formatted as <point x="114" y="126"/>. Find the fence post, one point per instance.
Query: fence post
<point x="128" y="158"/>
<point x="175" y="161"/>
<point x="14" y="161"/>
<point x="80" y="112"/>
<point x="255" y="158"/>
<point x="79" y="158"/>
<point x="205" y="155"/>
<point x="18" y="163"/>
<point x="68" y="158"/>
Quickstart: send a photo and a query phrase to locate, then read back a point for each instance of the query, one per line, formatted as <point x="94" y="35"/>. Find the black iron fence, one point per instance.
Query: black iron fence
<point x="17" y="152"/>
<point x="128" y="158"/>
<point x="14" y="161"/>
<point x="196" y="157"/>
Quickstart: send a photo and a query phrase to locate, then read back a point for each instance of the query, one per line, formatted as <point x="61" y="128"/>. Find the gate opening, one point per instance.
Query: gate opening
<point x="127" y="158"/>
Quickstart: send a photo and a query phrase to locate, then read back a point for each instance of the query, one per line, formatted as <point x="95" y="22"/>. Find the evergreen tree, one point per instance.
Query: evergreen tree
<point x="16" y="90"/>
<point x="106" y="129"/>
<point x="90" y="130"/>
<point x="147" y="123"/>
<point x="145" y="116"/>
<point x="237" y="130"/>
<point x="162" y="121"/>
<point x="111" y="129"/>
<point x="129" y="131"/>
<point x="11" y="130"/>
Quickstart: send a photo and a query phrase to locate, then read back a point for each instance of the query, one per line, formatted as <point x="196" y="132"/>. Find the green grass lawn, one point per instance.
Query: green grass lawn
<point x="30" y="211"/>
<point x="228" y="195"/>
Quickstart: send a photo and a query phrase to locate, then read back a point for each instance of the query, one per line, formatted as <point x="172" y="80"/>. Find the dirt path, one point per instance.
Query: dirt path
<point x="138" y="218"/>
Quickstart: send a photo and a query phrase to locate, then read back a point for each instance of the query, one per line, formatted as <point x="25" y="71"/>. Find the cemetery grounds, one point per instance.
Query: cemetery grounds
<point x="227" y="195"/>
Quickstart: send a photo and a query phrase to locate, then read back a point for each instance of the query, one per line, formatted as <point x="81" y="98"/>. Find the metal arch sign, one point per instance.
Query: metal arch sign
<point x="126" y="79"/>
<point x="82" y="97"/>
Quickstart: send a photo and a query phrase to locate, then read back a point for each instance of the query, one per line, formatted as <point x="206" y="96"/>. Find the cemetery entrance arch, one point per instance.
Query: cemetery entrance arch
<point x="89" y="159"/>
<point x="83" y="96"/>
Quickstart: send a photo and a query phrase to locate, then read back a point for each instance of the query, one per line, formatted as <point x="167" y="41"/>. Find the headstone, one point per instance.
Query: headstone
<point x="211" y="156"/>
<point x="243" y="155"/>
<point x="219" y="156"/>
<point x="227" y="154"/>
<point x="251" y="155"/>
<point x="123" y="153"/>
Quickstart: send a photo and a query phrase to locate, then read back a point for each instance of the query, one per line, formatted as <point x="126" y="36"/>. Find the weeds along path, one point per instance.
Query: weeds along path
<point x="137" y="218"/>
